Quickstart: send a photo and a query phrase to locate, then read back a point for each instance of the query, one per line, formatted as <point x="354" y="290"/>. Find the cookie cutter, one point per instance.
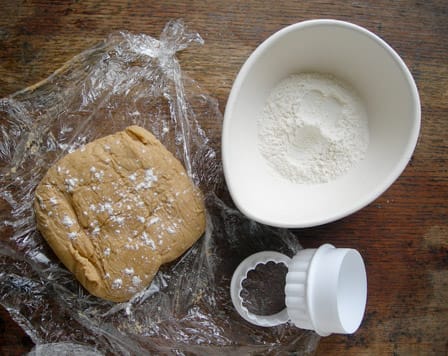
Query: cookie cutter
<point x="326" y="289"/>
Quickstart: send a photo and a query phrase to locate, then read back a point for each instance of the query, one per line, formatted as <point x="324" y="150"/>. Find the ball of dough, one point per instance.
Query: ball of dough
<point x="116" y="209"/>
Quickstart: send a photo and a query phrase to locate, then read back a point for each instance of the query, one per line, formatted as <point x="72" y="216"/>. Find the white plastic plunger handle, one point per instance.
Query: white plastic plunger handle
<point x="336" y="290"/>
<point x="236" y="287"/>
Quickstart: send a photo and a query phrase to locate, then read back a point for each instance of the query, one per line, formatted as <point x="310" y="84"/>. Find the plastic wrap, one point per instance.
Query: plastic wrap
<point x="187" y="310"/>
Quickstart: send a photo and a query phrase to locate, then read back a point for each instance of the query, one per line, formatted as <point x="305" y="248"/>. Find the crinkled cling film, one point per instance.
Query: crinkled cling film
<point x="187" y="310"/>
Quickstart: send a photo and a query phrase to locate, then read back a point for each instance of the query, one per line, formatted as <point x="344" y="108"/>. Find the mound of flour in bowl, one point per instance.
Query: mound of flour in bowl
<point x="313" y="128"/>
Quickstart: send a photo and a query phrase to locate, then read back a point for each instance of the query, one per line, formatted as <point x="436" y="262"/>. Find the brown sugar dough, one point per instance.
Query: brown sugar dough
<point x="116" y="209"/>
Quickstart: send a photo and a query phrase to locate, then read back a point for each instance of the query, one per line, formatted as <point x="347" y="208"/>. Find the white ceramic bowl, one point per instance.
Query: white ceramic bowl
<point x="357" y="57"/>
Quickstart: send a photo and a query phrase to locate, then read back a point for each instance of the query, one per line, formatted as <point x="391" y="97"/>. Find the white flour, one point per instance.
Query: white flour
<point x="313" y="128"/>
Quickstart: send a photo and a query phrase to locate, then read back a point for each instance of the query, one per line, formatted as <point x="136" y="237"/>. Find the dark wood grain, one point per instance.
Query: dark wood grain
<point x="403" y="235"/>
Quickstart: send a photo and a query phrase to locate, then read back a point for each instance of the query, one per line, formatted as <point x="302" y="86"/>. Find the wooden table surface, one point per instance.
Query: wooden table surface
<point x="403" y="235"/>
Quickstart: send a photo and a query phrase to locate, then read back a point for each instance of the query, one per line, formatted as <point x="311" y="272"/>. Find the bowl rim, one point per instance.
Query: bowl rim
<point x="381" y="188"/>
